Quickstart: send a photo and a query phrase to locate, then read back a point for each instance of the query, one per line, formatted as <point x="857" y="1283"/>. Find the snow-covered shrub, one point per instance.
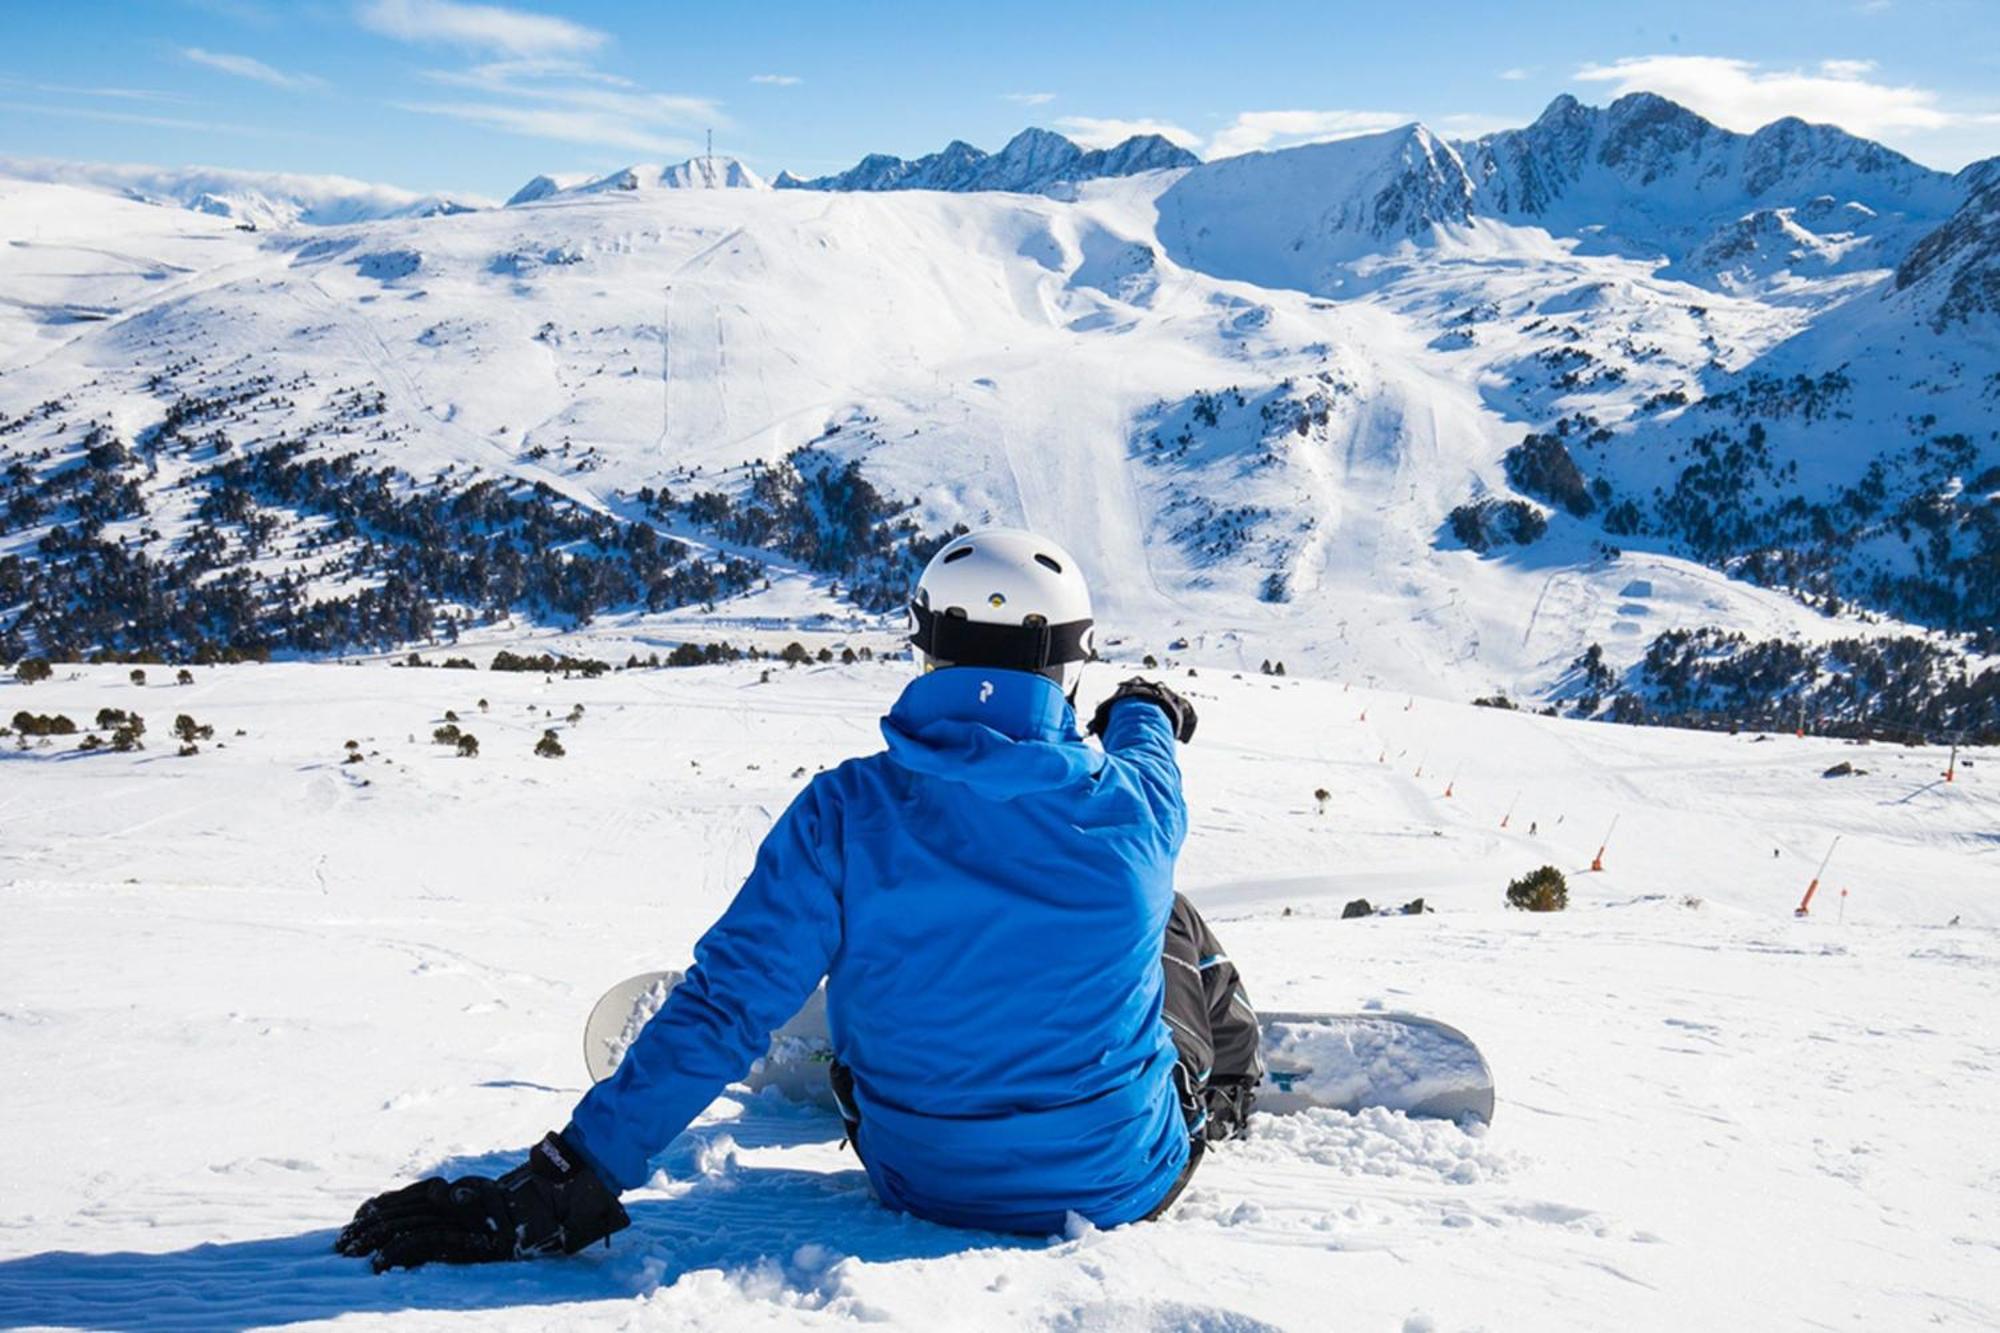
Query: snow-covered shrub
<point x="548" y="747"/>
<point x="33" y="669"/>
<point x="1543" y="890"/>
<point x="43" y="724"/>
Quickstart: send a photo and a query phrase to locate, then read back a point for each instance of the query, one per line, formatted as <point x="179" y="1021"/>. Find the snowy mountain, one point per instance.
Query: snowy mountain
<point x="697" y="173"/>
<point x="1404" y="409"/>
<point x="256" y="198"/>
<point x="1289" y="218"/>
<point x="1648" y="176"/>
<point x="1033" y="161"/>
<point x="1953" y="274"/>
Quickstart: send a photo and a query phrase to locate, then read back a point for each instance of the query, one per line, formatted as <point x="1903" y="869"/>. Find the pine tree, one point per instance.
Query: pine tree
<point x="1543" y="890"/>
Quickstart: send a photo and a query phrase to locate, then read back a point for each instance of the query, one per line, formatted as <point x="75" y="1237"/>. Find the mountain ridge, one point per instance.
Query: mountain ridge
<point x="1032" y="161"/>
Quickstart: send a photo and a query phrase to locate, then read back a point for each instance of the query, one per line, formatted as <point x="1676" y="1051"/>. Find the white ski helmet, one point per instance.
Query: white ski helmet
<point x="1001" y="597"/>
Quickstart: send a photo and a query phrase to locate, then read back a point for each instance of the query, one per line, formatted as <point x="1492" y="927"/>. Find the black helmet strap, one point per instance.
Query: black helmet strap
<point x="964" y="642"/>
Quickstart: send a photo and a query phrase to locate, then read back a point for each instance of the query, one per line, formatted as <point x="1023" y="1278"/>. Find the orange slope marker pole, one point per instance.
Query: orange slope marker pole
<point x="1597" y="861"/>
<point x="1951" y="768"/>
<point x="1451" y="784"/>
<point x="1508" y="818"/>
<point x="1805" y="904"/>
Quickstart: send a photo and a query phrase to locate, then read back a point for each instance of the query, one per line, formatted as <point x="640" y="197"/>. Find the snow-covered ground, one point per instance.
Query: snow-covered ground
<point x="241" y="991"/>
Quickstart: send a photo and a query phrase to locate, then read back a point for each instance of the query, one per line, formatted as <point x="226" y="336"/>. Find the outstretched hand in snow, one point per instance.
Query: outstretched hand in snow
<point x="553" y="1203"/>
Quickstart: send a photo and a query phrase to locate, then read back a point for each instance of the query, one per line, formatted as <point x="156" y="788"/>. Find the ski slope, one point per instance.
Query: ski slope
<point x="992" y="357"/>
<point x="241" y="991"/>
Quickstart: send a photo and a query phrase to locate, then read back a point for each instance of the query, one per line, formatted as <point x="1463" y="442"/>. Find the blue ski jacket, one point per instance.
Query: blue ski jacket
<point x="987" y="901"/>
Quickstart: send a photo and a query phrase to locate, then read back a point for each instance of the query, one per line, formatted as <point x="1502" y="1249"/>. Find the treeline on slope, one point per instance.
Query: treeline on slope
<point x="434" y="558"/>
<point x="1733" y="505"/>
<point x="1901" y="688"/>
<point x="822" y="512"/>
<point x="480" y="546"/>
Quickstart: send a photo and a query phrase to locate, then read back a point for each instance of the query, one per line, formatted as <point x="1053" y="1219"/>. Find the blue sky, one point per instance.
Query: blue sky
<point x="442" y="95"/>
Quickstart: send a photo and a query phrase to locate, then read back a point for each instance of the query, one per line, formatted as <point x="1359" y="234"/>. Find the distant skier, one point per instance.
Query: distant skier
<point x="1027" y="1020"/>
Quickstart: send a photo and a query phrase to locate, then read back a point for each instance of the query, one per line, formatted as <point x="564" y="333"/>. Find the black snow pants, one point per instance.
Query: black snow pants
<point x="1215" y="1036"/>
<point x="1214" y="1028"/>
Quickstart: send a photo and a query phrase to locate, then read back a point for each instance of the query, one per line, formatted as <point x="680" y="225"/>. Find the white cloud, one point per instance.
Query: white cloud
<point x="571" y="90"/>
<point x="75" y="90"/>
<point x="1516" y="74"/>
<point x="1030" y="99"/>
<point x="245" y="67"/>
<point x="1471" y="124"/>
<point x="777" y="80"/>
<point x="564" y="100"/>
<point x="498" y="73"/>
<point x="132" y="118"/>
<point x="184" y="182"/>
<point x="1741" y="95"/>
<point x="1253" y="130"/>
<point x="512" y="32"/>
<point x="1100" y="132"/>
<point x="568" y="124"/>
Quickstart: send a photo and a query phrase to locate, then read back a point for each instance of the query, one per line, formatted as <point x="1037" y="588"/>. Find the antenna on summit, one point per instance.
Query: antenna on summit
<point x="711" y="149"/>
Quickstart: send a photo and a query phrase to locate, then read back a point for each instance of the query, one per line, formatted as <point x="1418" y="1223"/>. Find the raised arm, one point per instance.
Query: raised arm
<point x="1140" y="724"/>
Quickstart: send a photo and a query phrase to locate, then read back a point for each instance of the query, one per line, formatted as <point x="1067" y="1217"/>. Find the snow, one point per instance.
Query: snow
<point x="246" y="989"/>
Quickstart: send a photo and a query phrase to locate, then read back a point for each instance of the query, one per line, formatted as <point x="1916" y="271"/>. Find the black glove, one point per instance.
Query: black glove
<point x="1178" y="710"/>
<point x="551" y="1203"/>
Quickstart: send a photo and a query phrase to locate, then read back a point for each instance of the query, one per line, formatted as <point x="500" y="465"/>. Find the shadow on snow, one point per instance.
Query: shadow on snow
<point x="790" y="1226"/>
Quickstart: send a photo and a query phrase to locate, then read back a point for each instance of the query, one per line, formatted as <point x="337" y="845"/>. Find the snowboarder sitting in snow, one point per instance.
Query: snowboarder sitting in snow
<point x="1027" y="1020"/>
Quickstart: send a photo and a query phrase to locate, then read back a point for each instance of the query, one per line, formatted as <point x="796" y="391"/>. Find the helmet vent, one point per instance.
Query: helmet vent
<point x="1048" y="562"/>
<point x="961" y="553"/>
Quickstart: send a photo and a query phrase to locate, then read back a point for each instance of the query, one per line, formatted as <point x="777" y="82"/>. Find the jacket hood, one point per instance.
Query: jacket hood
<point x="1000" y="733"/>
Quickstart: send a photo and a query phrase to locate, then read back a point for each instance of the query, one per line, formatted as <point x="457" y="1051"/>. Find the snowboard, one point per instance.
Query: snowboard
<point x="1400" y="1062"/>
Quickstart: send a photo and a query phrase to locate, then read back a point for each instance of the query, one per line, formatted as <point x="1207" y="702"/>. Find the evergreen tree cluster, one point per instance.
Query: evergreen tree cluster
<point x="1484" y="524"/>
<point x="1916" y="534"/>
<point x="1901" y="688"/>
<point x="814" y="508"/>
<point x="432" y="556"/>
